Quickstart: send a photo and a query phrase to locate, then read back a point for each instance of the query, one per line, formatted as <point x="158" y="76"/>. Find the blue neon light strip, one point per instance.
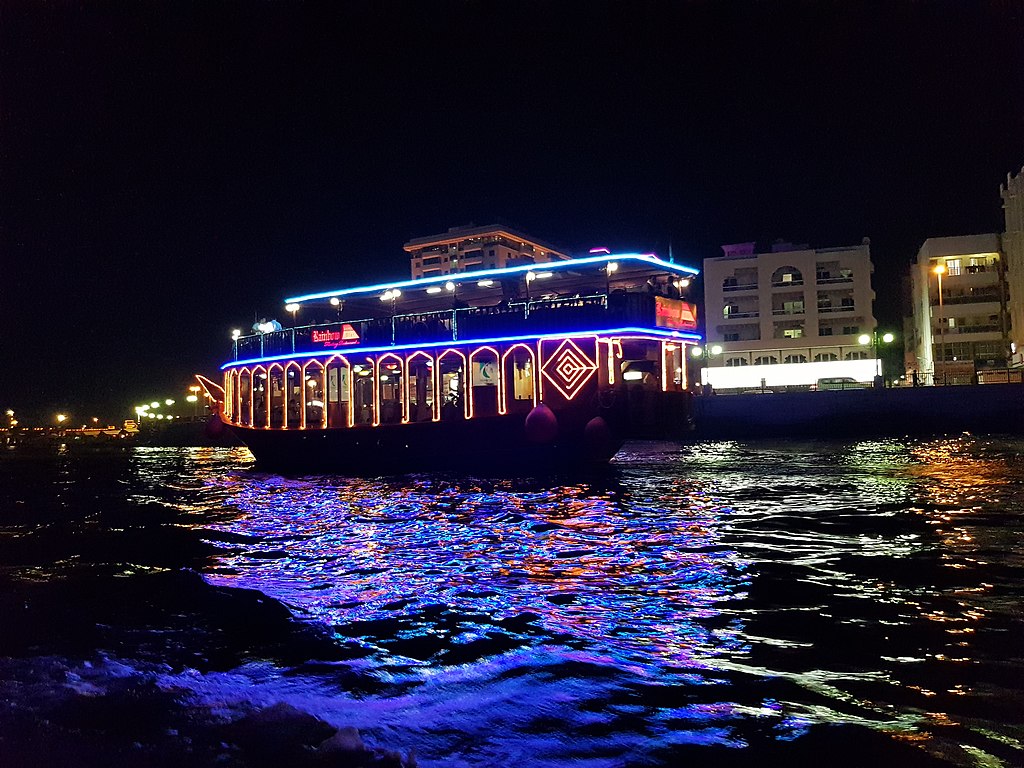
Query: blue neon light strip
<point x="547" y="266"/>
<point x="659" y="332"/>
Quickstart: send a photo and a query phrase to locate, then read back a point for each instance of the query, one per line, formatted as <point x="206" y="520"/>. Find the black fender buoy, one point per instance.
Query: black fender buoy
<point x="541" y="425"/>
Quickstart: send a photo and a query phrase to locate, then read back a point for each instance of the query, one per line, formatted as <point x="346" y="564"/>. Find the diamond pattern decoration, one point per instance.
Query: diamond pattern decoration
<point x="569" y="368"/>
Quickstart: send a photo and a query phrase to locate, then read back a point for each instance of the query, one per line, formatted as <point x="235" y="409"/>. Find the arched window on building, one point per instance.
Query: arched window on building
<point x="795" y="359"/>
<point x="857" y="355"/>
<point x="736" y="362"/>
<point x="787" y="276"/>
<point x="766" y="360"/>
<point x="826" y="357"/>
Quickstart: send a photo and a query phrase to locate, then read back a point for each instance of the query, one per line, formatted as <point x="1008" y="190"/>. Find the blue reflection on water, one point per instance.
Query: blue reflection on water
<point x="719" y="594"/>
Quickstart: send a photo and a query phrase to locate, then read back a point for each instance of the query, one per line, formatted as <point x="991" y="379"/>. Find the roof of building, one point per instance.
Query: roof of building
<point x="457" y="234"/>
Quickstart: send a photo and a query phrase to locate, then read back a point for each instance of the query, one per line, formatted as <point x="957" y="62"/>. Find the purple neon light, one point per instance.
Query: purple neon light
<point x="660" y="333"/>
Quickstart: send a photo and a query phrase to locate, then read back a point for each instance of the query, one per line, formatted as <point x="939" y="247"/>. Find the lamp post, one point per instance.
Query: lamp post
<point x="610" y="268"/>
<point x="530" y="277"/>
<point x="704" y="354"/>
<point x="940" y="270"/>
<point x="876" y="341"/>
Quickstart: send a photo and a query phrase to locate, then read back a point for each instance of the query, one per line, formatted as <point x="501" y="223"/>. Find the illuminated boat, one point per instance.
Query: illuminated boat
<point x="528" y="365"/>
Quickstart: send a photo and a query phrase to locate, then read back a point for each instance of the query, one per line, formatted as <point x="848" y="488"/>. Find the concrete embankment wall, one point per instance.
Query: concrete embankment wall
<point x="989" y="408"/>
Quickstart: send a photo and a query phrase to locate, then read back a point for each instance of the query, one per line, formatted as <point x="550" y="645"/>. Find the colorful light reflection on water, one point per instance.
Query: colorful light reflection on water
<point x="718" y="594"/>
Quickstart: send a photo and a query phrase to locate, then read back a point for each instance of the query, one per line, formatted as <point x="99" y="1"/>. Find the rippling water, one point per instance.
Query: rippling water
<point x="720" y="602"/>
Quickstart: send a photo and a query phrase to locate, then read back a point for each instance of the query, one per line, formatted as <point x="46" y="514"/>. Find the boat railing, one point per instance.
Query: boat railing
<point x="506" y="319"/>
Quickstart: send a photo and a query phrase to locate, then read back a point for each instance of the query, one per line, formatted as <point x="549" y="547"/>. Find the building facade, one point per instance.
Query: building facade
<point x="790" y="317"/>
<point x="964" y="329"/>
<point x="1013" y="247"/>
<point x="470" y="248"/>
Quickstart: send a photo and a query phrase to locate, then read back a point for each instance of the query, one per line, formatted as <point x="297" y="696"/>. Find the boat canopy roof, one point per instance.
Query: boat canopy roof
<point x="556" y="275"/>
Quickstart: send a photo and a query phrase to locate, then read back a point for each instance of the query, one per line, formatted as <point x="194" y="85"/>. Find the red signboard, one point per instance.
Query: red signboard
<point x="673" y="313"/>
<point x="332" y="338"/>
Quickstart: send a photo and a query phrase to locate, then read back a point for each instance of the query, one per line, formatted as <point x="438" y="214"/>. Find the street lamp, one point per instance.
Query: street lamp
<point x="293" y="308"/>
<point x="876" y="340"/>
<point x="610" y="267"/>
<point x="940" y="270"/>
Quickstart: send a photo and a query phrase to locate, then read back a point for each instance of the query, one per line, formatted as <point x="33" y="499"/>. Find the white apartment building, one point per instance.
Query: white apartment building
<point x="1013" y="247"/>
<point x="954" y="334"/>
<point x="789" y="317"/>
<point x="464" y="249"/>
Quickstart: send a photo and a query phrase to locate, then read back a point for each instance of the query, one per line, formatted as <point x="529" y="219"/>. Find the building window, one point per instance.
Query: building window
<point x="766" y="360"/>
<point x="826" y="357"/>
<point x="793" y="333"/>
<point x="851" y="330"/>
<point x="858" y="355"/>
<point x="731" y="337"/>
<point x="735" y="362"/>
<point x="729" y="310"/>
<point x="953" y="267"/>
<point x="825" y="330"/>
<point x="787" y="276"/>
<point x="795" y="359"/>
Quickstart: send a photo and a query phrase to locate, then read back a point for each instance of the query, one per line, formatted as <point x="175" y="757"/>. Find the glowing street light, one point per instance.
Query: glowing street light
<point x="61" y="418"/>
<point x="235" y="334"/>
<point x="940" y="270"/>
<point x="168" y="401"/>
<point x="875" y="340"/>
<point x="154" y="404"/>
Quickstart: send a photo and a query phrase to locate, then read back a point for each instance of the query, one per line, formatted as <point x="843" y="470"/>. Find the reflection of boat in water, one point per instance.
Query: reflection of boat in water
<point x="525" y="365"/>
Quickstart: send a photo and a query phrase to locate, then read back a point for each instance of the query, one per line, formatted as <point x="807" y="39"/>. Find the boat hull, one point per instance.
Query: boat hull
<point x="495" y="443"/>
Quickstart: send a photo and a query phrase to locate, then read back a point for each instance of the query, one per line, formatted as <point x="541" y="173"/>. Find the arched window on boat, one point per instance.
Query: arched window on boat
<point x="519" y="366"/>
<point x="362" y="392"/>
<point x="243" y="415"/>
<point x="390" y="389"/>
<point x="228" y="406"/>
<point x="314" y="380"/>
<point x="339" y="393"/>
<point x="451" y="384"/>
<point x="260" y="396"/>
<point x="485" y="382"/>
<point x="275" y="380"/>
<point x="293" y="399"/>
<point x="419" y="392"/>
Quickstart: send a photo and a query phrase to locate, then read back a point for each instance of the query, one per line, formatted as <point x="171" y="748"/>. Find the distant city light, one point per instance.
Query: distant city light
<point x="61" y="418"/>
<point x="293" y="308"/>
<point x="168" y="401"/>
<point x="154" y="404"/>
<point x="10" y="412"/>
<point x="191" y="399"/>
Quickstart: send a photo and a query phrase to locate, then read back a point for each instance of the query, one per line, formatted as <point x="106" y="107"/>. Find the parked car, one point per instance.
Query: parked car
<point x="838" y="382"/>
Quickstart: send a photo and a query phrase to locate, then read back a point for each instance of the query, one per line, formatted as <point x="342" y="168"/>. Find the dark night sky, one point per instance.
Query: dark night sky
<point x="169" y="169"/>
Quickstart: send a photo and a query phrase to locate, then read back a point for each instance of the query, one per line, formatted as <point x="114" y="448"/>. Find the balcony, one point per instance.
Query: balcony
<point x="787" y="283"/>
<point x="794" y="311"/>
<point x="832" y="310"/>
<point x="745" y="287"/>
<point x="739" y="315"/>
